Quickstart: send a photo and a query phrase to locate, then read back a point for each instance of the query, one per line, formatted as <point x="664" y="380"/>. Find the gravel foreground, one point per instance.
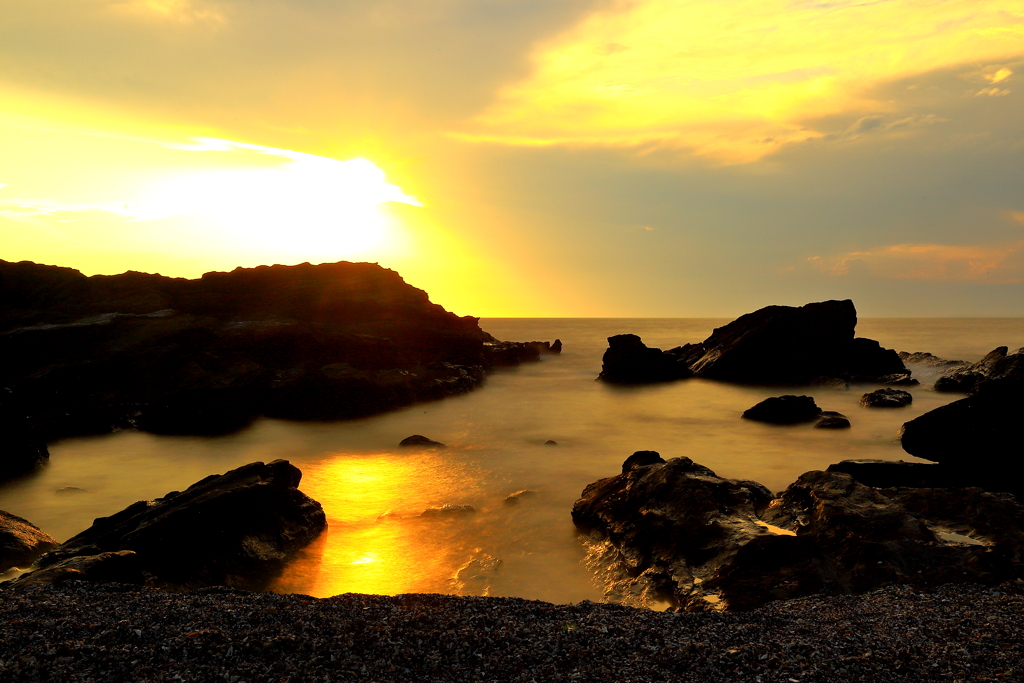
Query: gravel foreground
<point x="112" y="632"/>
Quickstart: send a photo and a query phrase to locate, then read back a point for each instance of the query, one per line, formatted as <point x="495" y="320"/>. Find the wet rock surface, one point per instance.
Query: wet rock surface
<point x="675" y="532"/>
<point x="207" y="356"/>
<point x="786" y="409"/>
<point x="998" y="364"/>
<point x="235" y="529"/>
<point x="886" y="398"/>
<point x="773" y="345"/>
<point x="21" y="541"/>
<point x="81" y="632"/>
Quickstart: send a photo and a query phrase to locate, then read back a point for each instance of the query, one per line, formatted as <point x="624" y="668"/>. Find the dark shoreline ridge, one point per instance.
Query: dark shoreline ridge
<point x="207" y="356"/>
<point x="773" y="345"/>
<point x="81" y="632"/>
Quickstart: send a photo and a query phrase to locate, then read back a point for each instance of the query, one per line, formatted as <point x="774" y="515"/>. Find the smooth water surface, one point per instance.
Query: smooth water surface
<point x="496" y="446"/>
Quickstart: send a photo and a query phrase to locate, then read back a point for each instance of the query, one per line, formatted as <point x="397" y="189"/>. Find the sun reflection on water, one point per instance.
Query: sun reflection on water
<point x="364" y="552"/>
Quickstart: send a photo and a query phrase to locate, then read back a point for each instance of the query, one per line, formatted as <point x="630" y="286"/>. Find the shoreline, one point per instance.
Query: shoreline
<point x="114" y="632"/>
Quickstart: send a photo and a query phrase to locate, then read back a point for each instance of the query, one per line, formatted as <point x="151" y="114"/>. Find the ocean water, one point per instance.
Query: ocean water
<point x="373" y="491"/>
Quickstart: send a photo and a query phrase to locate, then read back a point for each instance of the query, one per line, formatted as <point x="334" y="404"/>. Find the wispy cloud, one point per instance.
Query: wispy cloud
<point x="178" y="11"/>
<point x="1001" y="263"/>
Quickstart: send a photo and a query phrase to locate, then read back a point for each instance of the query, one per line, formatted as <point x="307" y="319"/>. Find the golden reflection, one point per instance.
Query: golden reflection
<point x="363" y="552"/>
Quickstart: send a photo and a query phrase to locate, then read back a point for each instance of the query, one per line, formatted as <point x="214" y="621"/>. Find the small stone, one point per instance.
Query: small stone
<point x="419" y="440"/>
<point x="886" y="398"/>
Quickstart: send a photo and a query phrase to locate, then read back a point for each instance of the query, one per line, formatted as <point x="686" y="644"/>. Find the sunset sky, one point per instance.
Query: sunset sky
<point x="630" y="158"/>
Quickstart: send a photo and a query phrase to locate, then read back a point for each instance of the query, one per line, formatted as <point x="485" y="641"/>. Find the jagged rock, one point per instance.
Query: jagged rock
<point x="998" y="364"/>
<point x="786" y="409"/>
<point x="419" y="440"/>
<point x="519" y="496"/>
<point x="21" y="541"/>
<point x="886" y="398"/>
<point x="676" y="532"/>
<point x="235" y="529"/>
<point x="982" y="431"/>
<point x="207" y="356"/>
<point x="629" y="361"/>
<point x="556" y="346"/>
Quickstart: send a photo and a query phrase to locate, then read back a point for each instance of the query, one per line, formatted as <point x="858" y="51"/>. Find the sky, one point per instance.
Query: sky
<point x="531" y="158"/>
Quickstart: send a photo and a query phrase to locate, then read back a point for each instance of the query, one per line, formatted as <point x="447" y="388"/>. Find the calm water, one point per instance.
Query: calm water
<point x="496" y="445"/>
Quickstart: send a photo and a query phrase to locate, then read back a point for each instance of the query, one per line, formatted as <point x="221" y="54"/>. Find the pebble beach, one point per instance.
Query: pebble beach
<point x="111" y="632"/>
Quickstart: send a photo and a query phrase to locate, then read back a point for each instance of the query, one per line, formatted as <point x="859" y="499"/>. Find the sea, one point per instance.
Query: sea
<point x="498" y="443"/>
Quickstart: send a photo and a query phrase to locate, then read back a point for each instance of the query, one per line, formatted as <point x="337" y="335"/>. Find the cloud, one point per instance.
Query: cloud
<point x="1000" y="75"/>
<point x="732" y="81"/>
<point x="178" y="11"/>
<point x="997" y="263"/>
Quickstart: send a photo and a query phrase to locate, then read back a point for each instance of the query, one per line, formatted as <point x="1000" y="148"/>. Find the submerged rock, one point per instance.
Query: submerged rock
<point x="21" y="541"/>
<point x="925" y="358"/>
<point x="419" y="440"/>
<point x="886" y="398"/>
<point x="832" y="422"/>
<point x="236" y="529"/>
<point x="674" y="531"/>
<point x="786" y="409"/>
<point x="519" y="496"/>
<point x="448" y="511"/>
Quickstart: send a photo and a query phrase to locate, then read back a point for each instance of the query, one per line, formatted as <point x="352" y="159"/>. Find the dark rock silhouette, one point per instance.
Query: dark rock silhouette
<point x="550" y="442"/>
<point x="207" y="356"/>
<point x="419" y="440"/>
<point x="21" y="541"/>
<point x="773" y="345"/>
<point x="886" y="398"/>
<point x="674" y="531"/>
<point x="786" y="409"/>
<point x="236" y="529"/>
<point x="120" y="566"/>
<point x="641" y="459"/>
<point x="925" y="358"/>
<point x="629" y="361"/>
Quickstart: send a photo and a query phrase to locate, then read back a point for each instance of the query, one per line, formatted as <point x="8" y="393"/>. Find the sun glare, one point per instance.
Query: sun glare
<point x="307" y="204"/>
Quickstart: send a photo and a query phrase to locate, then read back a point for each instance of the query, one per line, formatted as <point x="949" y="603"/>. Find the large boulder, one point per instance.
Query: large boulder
<point x="787" y="345"/>
<point x="207" y="356"/>
<point x="629" y="361"/>
<point x="980" y="432"/>
<point x="236" y="529"/>
<point x="773" y="345"/>
<point x="21" y="542"/>
<point x="675" y="532"/>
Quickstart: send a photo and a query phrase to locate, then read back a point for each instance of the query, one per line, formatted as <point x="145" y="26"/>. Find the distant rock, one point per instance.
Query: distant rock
<point x="21" y="541"/>
<point x="886" y="398"/>
<point x="790" y="345"/>
<point x="786" y="409"/>
<point x="550" y="442"/>
<point x="420" y="440"/>
<point x="236" y="529"/>
<point x="930" y="360"/>
<point x="629" y="361"/>
<point x="519" y="496"/>
<point x="64" y="490"/>
<point x="556" y="346"/>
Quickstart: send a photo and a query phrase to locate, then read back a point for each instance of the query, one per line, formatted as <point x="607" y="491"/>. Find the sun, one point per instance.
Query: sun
<point x="298" y="203"/>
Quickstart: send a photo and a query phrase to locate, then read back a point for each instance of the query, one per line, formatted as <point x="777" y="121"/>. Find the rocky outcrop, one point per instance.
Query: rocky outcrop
<point x="786" y="409"/>
<point x="886" y="398"/>
<point x="998" y="364"/>
<point x="21" y="542"/>
<point x="673" y="531"/>
<point x="930" y="360"/>
<point x="207" y="356"/>
<point x="629" y="361"/>
<point x="236" y="529"/>
<point x="773" y="345"/>
<point x="419" y="440"/>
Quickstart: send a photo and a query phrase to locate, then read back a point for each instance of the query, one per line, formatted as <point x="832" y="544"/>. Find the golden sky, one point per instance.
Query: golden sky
<point x="530" y="157"/>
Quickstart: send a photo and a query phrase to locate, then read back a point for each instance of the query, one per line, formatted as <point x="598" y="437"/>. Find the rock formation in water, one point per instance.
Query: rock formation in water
<point x="785" y="410"/>
<point x="207" y="356"/>
<point x="674" y="531"/>
<point x="886" y="398"/>
<point x="236" y="529"/>
<point x="773" y="345"/>
<point x="21" y="542"/>
<point x="997" y="365"/>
